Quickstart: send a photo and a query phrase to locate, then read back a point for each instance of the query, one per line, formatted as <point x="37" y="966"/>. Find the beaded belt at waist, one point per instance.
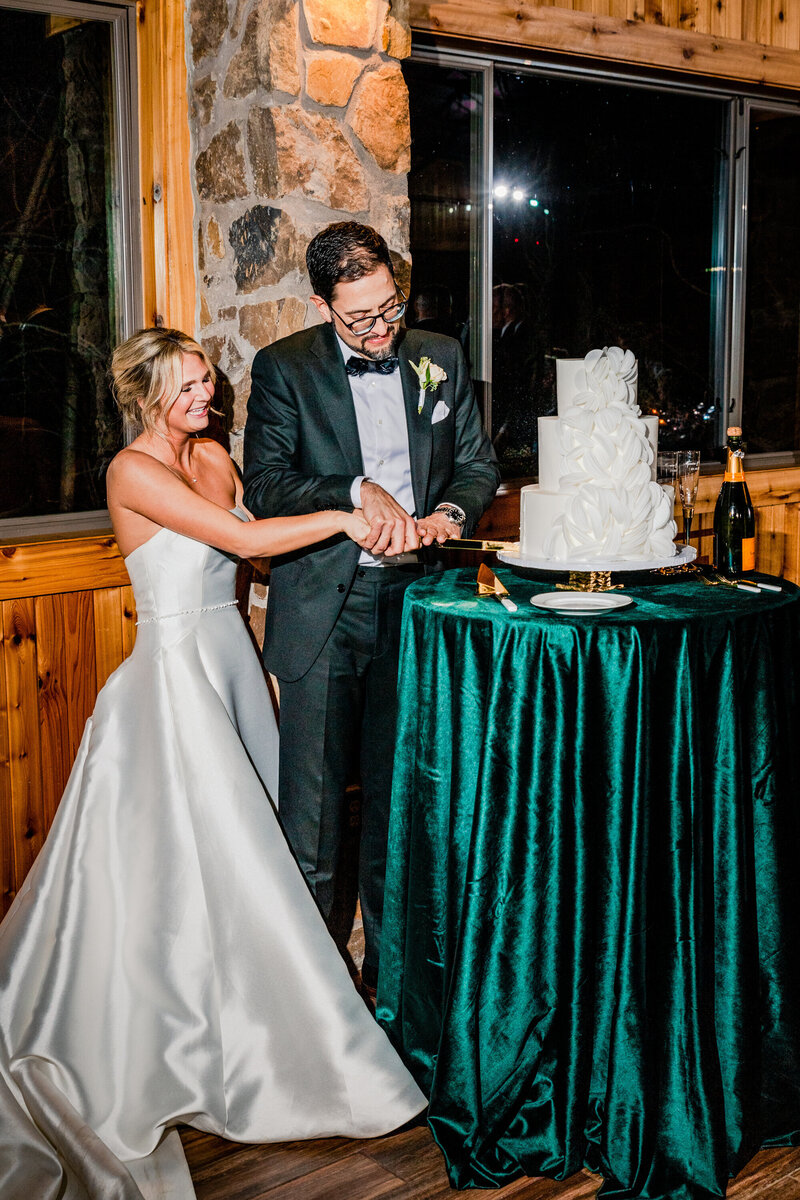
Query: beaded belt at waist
<point x="184" y="612"/>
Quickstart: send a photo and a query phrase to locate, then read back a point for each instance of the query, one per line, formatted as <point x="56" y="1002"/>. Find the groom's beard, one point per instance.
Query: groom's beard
<point x="386" y="351"/>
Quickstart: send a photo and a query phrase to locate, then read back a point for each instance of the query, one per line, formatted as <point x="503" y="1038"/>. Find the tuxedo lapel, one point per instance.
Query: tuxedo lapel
<point x="420" y="440"/>
<point x="335" y="397"/>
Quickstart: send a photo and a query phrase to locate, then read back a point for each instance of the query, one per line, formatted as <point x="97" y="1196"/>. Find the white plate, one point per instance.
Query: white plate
<point x="582" y="603"/>
<point x="685" y="554"/>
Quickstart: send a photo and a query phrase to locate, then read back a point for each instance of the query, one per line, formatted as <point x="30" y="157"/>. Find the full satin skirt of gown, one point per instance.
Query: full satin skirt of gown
<point x="164" y="961"/>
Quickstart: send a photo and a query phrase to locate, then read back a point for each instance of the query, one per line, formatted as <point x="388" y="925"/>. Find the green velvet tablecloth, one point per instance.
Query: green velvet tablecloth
<point x="591" y="931"/>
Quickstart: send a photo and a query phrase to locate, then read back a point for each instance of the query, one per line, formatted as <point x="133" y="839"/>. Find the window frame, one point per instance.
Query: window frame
<point x="121" y="17"/>
<point x="729" y="237"/>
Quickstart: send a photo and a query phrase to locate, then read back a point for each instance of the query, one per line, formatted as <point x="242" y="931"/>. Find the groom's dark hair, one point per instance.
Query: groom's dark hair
<point x="343" y="252"/>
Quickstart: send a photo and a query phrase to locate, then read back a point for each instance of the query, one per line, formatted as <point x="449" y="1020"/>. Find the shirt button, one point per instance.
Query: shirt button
<point x="380" y="464"/>
<point x="340" y="587"/>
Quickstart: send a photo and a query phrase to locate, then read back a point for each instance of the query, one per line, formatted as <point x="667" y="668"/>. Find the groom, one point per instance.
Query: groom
<point x="337" y="419"/>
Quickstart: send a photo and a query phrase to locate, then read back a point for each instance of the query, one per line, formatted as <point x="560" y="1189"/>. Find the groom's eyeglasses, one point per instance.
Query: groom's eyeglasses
<point x="390" y="315"/>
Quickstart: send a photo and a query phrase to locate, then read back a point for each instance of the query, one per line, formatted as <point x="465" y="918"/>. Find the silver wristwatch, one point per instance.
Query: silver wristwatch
<point x="453" y="513"/>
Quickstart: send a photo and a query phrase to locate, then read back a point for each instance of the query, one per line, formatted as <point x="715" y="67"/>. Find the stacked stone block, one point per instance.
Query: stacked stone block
<point x="299" y="117"/>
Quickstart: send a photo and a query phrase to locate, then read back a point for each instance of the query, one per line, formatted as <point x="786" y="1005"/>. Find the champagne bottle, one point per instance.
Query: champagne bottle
<point x="734" y="523"/>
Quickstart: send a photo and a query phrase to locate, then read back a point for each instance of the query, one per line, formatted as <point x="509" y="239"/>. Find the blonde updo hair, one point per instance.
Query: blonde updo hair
<point x="147" y="373"/>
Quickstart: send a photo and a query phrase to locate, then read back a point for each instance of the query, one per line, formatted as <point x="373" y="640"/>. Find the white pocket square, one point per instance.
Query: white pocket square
<point x="440" y="412"/>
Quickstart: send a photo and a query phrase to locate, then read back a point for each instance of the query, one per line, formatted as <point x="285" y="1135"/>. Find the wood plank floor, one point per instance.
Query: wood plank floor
<point x="408" y="1166"/>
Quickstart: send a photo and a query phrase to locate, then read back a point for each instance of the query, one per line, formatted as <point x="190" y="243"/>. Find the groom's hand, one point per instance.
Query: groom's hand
<point x="437" y="528"/>
<point x="392" y="530"/>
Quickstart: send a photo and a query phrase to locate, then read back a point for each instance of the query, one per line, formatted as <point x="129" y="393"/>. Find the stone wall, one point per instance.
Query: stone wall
<point x="299" y="116"/>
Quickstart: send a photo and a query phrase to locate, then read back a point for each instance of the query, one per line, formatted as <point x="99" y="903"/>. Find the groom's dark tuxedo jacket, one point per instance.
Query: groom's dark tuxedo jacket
<point x="302" y="452"/>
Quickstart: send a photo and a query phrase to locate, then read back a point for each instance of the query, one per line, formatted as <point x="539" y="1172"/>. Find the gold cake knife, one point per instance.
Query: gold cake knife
<point x="487" y="545"/>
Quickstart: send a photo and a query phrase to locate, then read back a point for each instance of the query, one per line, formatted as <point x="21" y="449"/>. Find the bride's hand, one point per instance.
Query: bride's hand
<point x="355" y="526"/>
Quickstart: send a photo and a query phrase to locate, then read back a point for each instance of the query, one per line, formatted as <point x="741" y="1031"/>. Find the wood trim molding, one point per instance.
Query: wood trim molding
<point x="170" y="285"/>
<point x="523" y="23"/>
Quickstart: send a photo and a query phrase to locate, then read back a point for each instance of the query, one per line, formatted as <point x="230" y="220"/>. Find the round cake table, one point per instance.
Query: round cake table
<point x="592" y="909"/>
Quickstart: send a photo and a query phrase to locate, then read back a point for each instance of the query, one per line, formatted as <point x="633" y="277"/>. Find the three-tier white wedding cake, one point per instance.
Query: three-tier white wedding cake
<point x="597" y="496"/>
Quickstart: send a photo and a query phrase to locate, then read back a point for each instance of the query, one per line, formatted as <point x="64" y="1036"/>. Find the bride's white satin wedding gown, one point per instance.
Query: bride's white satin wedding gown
<point x="164" y="961"/>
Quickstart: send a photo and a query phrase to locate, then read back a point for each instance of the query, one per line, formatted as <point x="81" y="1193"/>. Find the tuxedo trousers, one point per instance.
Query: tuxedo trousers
<point x="337" y="724"/>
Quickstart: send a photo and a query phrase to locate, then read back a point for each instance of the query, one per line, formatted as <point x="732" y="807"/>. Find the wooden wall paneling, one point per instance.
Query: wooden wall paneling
<point x="7" y="876"/>
<point x="705" y="545"/>
<point x="663" y="12"/>
<point x="770" y="538"/>
<point x="637" y="40"/>
<point x="792" y="10"/>
<point x="726" y="19"/>
<point x="770" y="487"/>
<point x="791" y="547"/>
<point x="29" y="824"/>
<point x="81" y="681"/>
<point x="789" y="11"/>
<point x="705" y="15"/>
<point x="45" y="568"/>
<point x="693" y="15"/>
<point x="774" y="22"/>
<point x="754" y="25"/>
<point x="51" y="665"/>
<point x="128" y="621"/>
<point x="108" y="654"/>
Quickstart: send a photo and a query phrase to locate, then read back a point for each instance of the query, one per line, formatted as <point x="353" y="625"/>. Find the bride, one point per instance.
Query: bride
<point x="164" y="961"/>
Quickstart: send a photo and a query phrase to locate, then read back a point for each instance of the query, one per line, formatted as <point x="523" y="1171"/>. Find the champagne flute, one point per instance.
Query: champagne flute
<point x="667" y="473"/>
<point x="687" y="475"/>
<point x="667" y="468"/>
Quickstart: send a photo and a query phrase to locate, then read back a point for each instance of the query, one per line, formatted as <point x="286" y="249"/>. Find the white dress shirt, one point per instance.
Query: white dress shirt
<point x="383" y="434"/>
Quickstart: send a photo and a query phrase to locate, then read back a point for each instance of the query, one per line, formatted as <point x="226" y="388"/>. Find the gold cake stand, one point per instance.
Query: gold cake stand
<point x="604" y="577"/>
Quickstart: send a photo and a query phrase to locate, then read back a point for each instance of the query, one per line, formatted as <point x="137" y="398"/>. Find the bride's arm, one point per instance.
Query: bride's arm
<point x="140" y="485"/>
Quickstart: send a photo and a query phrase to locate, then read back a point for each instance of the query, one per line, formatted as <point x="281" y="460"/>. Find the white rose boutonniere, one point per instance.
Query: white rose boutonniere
<point x="429" y="375"/>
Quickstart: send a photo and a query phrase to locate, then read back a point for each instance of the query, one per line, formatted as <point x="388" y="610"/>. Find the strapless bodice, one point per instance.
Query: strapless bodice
<point x="173" y="576"/>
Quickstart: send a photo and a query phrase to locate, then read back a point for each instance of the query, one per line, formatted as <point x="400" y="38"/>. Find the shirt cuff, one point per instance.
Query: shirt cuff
<point x="355" y="490"/>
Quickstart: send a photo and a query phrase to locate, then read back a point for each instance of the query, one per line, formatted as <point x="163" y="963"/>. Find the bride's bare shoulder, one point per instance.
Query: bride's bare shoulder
<point x="133" y="463"/>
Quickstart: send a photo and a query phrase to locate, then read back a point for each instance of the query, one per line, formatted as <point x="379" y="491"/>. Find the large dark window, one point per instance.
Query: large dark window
<point x="604" y="206"/>
<point x="446" y="211"/>
<point x="771" y="399"/>
<point x="62" y="272"/>
<point x="561" y="211"/>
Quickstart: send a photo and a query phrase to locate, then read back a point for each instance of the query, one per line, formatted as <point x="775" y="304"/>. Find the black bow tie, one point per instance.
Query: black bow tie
<point x="360" y="366"/>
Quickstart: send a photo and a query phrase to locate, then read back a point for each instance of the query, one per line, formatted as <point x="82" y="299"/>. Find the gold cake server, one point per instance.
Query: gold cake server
<point x="490" y="585"/>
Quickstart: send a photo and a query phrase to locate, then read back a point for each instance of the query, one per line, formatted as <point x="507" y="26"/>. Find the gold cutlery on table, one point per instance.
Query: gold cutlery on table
<point x="714" y="579"/>
<point x="744" y="585"/>
<point x="490" y="585"/>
